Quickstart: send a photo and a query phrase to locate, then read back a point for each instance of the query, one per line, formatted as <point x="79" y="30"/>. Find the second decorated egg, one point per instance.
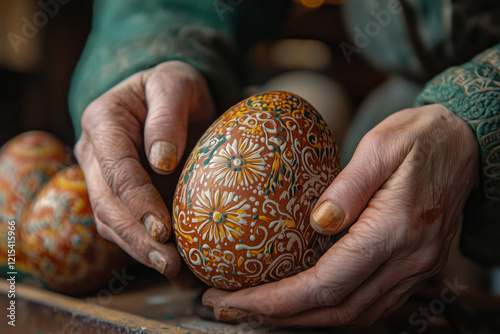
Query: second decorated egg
<point x="243" y="201"/>
<point x="27" y="162"/>
<point x="60" y="241"/>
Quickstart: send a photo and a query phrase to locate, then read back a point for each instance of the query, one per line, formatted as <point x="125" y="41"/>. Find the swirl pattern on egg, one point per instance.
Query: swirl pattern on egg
<point x="242" y="205"/>
<point x="63" y="248"/>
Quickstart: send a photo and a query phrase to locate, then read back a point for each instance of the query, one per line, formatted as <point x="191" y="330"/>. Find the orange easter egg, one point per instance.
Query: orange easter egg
<point x="60" y="240"/>
<point x="242" y="204"/>
<point x="27" y="162"/>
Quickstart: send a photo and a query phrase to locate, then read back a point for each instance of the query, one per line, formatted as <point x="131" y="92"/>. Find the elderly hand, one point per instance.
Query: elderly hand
<point x="146" y="115"/>
<point x="403" y="193"/>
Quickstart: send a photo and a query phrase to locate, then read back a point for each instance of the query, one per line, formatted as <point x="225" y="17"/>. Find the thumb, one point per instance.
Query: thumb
<point x="175" y="93"/>
<point x="347" y="196"/>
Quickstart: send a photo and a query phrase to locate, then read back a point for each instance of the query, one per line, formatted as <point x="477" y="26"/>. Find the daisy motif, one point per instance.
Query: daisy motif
<point x="238" y="163"/>
<point x="219" y="216"/>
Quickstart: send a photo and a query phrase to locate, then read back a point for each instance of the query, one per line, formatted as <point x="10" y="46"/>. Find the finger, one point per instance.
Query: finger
<point x="340" y="271"/>
<point x="285" y="297"/>
<point x="342" y="315"/>
<point x="261" y="301"/>
<point x="350" y="310"/>
<point x="409" y="265"/>
<point x="115" y="150"/>
<point x="388" y="303"/>
<point x="388" y="309"/>
<point x="392" y="300"/>
<point x="162" y="257"/>
<point x="174" y="94"/>
<point x="372" y="164"/>
<point x="383" y="292"/>
<point x="405" y="269"/>
<point x="126" y="231"/>
<point x="355" y="271"/>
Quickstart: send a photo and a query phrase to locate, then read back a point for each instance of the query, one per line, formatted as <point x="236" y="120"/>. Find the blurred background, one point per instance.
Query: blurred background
<point x="36" y="67"/>
<point x="36" y="71"/>
<point x="35" y="79"/>
<point x="305" y="57"/>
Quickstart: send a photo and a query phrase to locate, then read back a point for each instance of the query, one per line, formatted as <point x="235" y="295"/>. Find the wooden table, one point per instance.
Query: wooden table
<point x="150" y="304"/>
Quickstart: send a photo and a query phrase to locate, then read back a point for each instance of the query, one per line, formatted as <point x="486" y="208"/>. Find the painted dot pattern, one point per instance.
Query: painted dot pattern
<point x="243" y="201"/>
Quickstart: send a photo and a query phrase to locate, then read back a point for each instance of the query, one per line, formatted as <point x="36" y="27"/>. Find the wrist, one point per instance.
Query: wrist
<point x="466" y="140"/>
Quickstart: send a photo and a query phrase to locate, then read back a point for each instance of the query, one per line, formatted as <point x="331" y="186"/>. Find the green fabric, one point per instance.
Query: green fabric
<point x="132" y="35"/>
<point x="472" y="91"/>
<point x="379" y="30"/>
<point x="420" y="38"/>
<point x="447" y="33"/>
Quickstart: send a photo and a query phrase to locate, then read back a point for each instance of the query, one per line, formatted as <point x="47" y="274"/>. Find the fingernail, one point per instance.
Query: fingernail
<point x="156" y="229"/>
<point x="233" y="313"/>
<point x="158" y="260"/>
<point x="163" y="157"/>
<point x="329" y="217"/>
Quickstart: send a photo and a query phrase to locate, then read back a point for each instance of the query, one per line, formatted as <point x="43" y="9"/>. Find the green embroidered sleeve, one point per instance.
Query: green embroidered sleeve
<point x="132" y="35"/>
<point x="472" y="91"/>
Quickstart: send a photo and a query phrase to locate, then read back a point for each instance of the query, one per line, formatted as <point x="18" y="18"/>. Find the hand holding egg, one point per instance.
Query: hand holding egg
<point x="144" y="118"/>
<point x="404" y="201"/>
<point x="242" y="204"/>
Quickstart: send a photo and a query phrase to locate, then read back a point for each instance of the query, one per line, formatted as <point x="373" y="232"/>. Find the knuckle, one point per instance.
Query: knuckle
<point x="369" y="241"/>
<point x="376" y="139"/>
<point x="132" y="236"/>
<point x="180" y="78"/>
<point x="343" y="316"/>
<point x="268" y="307"/>
<point x="105" y="131"/>
<point x="328" y="296"/>
<point x="112" y="222"/>
<point x="429" y="261"/>
<point x="108" y="114"/>
<point x="125" y="229"/>
<point x="164" y="114"/>
<point x="92" y="112"/>
<point x="168" y="76"/>
<point x="118" y="175"/>
<point x="113" y="172"/>
<point x="174" y="69"/>
<point x="171" y="77"/>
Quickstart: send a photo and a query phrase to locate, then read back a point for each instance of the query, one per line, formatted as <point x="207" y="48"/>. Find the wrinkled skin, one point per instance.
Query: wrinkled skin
<point x="402" y="194"/>
<point x="119" y="129"/>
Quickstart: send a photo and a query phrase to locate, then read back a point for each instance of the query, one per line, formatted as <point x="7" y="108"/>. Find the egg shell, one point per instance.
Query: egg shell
<point x="60" y="240"/>
<point x="242" y="204"/>
<point x="27" y="163"/>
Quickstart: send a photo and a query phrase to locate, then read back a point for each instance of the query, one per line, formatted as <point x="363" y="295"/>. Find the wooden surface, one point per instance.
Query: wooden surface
<point x="150" y="304"/>
<point x="40" y="311"/>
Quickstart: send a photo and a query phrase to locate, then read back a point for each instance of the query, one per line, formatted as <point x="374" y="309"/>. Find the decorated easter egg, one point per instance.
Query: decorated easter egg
<point x="242" y="204"/>
<point x="27" y="162"/>
<point x="60" y="240"/>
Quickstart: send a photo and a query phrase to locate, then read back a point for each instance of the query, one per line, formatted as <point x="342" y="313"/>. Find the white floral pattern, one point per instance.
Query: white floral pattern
<point x="243" y="201"/>
<point x="219" y="215"/>
<point x="238" y="163"/>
